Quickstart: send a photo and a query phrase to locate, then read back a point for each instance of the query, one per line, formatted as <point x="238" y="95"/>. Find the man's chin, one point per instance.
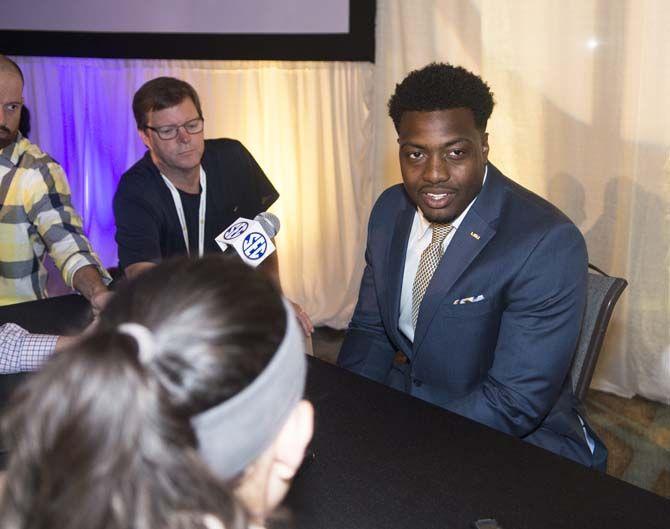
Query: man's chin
<point x="188" y="161"/>
<point x="437" y="216"/>
<point x="6" y="139"/>
<point x="178" y="166"/>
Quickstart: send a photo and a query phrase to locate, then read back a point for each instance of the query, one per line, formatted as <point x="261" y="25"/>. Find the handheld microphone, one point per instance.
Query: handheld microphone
<point x="251" y="238"/>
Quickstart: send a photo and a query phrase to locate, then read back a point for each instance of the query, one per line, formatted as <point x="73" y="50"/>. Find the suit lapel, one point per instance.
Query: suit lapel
<point x="396" y="267"/>
<point x="474" y="233"/>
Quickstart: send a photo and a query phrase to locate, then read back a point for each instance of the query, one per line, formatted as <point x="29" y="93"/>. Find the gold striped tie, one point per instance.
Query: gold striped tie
<point x="430" y="258"/>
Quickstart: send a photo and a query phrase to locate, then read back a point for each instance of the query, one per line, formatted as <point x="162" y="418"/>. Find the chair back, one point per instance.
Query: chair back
<point x="602" y="294"/>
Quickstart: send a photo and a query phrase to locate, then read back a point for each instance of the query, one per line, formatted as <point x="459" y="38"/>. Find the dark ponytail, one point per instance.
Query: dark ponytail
<point x="100" y="439"/>
<point x="95" y="444"/>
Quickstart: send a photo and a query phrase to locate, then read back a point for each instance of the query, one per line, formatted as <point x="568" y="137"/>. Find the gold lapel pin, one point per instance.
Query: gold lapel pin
<point x="475" y="235"/>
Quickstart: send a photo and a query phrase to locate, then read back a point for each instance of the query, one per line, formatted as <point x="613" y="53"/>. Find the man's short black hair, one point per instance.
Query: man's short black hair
<point x="159" y="94"/>
<point x="441" y="86"/>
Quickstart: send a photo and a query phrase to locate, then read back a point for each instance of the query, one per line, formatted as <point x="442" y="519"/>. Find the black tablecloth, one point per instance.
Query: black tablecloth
<point x="382" y="459"/>
<point x="60" y="315"/>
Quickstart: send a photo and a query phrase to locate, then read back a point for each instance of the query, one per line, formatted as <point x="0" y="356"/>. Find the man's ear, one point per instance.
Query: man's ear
<point x="485" y="146"/>
<point x="144" y="136"/>
<point x="293" y="439"/>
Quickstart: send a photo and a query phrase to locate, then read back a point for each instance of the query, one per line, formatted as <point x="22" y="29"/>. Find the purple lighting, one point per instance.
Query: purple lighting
<point x="81" y="115"/>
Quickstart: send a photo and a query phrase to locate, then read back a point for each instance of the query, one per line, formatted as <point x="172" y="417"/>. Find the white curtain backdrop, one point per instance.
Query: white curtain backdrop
<point x="581" y="118"/>
<point x="308" y="124"/>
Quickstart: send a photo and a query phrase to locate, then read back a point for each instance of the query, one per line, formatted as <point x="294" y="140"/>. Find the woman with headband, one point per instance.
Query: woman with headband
<point x="190" y="386"/>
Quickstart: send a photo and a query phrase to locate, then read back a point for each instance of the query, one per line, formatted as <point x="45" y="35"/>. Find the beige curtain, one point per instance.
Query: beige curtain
<point x="309" y="126"/>
<point x="582" y="117"/>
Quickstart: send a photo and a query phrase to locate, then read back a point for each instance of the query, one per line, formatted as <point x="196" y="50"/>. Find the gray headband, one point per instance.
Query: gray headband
<point x="237" y="431"/>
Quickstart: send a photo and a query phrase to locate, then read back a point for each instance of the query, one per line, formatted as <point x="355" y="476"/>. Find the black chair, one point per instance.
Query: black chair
<point x="603" y="292"/>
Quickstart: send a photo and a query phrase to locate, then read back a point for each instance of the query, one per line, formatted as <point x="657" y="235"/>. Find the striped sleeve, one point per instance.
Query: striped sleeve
<point x="47" y="202"/>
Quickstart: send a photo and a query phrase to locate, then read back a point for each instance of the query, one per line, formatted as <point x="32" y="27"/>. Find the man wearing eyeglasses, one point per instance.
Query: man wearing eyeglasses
<point x="185" y="190"/>
<point x="36" y="213"/>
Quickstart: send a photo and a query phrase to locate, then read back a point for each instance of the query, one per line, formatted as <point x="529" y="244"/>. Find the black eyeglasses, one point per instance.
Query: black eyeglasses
<point x="169" y="132"/>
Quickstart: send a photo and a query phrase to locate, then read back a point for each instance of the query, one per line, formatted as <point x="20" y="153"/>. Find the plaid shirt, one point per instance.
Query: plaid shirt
<point x="21" y="351"/>
<point x="36" y="215"/>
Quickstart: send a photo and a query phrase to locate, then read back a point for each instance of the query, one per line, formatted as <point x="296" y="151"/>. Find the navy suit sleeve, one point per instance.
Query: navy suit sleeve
<point x="537" y="338"/>
<point x="367" y="349"/>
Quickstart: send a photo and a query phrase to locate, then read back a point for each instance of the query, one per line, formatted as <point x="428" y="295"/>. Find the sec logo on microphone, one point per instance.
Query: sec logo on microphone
<point x="254" y="245"/>
<point x="235" y="230"/>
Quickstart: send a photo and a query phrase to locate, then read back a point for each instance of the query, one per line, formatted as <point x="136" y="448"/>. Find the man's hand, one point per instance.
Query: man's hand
<point x="303" y="319"/>
<point x="99" y="300"/>
<point x="88" y="281"/>
<point x="65" y="342"/>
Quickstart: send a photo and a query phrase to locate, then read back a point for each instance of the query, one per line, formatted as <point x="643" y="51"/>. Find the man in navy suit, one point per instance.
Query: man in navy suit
<point x="474" y="289"/>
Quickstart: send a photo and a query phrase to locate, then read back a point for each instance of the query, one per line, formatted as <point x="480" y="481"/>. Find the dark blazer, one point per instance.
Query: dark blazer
<point x="502" y="361"/>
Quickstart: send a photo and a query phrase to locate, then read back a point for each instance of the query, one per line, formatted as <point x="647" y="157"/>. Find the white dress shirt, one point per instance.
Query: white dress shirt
<point x="419" y="239"/>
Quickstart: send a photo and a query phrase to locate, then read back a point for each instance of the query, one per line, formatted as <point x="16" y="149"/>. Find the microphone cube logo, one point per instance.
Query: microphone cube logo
<point x="235" y="230"/>
<point x="254" y="246"/>
<point x="249" y="240"/>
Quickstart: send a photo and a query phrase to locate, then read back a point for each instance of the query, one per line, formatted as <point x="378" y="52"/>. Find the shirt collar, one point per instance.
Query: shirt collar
<point x="12" y="152"/>
<point x="424" y="224"/>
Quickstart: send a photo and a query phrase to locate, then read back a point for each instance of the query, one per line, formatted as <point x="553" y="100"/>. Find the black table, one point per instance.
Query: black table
<point x="60" y="315"/>
<point x="383" y="459"/>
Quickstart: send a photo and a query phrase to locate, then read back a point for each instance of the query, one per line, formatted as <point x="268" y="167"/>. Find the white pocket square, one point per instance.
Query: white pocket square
<point x="471" y="299"/>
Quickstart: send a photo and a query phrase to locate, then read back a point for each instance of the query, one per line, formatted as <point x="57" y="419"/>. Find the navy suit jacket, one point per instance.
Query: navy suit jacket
<point x="503" y="361"/>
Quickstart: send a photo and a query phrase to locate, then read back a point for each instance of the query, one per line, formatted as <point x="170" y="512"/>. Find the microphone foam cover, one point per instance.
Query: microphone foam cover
<point x="270" y="223"/>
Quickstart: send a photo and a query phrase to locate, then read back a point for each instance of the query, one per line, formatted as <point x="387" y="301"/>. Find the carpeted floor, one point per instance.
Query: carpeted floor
<point x="636" y="431"/>
<point x="637" y="434"/>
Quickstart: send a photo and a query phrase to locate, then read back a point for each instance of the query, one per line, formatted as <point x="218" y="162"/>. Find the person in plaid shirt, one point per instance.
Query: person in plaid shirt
<point x="36" y="213"/>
